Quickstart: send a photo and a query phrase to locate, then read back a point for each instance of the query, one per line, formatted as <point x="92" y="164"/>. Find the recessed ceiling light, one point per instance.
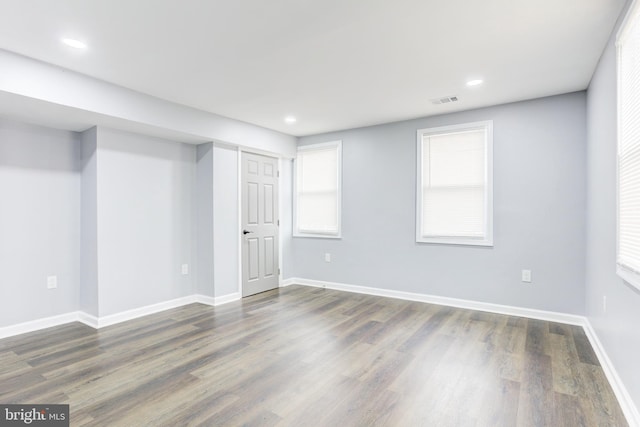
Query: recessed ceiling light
<point x="290" y="119"/>
<point x="475" y="82"/>
<point x="76" y="44"/>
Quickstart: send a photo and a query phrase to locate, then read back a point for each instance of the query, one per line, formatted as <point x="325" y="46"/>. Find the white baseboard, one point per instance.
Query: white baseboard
<point x="450" y="302"/>
<point x="213" y="301"/>
<point x="223" y="299"/>
<point x="624" y="399"/>
<point x="287" y="282"/>
<point x="206" y="300"/>
<point x="123" y="316"/>
<point x="88" y="319"/>
<point x="36" y="325"/>
<point x="112" y="319"/>
<point x="166" y="305"/>
<point x="626" y="403"/>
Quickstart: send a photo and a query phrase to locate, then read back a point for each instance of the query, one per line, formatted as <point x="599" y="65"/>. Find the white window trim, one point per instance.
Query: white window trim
<point x="629" y="275"/>
<point x="450" y="240"/>
<point x="296" y="231"/>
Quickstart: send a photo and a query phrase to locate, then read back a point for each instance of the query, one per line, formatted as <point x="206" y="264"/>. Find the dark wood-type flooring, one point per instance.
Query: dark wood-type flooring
<point x="303" y="356"/>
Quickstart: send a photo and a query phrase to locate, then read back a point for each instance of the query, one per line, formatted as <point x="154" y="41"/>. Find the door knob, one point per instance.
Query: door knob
<point x="246" y="232"/>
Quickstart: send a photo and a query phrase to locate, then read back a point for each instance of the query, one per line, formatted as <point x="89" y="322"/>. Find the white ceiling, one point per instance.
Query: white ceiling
<point x="334" y="64"/>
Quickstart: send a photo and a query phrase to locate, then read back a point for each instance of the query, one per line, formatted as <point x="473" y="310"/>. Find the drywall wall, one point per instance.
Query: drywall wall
<point x="225" y="220"/>
<point x="114" y="215"/>
<point x="69" y="99"/>
<point x="204" y="230"/>
<point x="617" y="328"/>
<point x="286" y="215"/>
<point x="89" y="223"/>
<point x="217" y="232"/>
<point x="39" y="221"/>
<point x="539" y="203"/>
<point x="144" y="220"/>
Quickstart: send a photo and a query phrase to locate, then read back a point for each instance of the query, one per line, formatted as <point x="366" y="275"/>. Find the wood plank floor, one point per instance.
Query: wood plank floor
<point x="303" y="356"/>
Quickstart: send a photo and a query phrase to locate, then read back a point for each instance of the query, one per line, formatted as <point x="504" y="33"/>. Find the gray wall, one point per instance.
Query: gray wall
<point x="539" y="203"/>
<point x="204" y="200"/>
<point x="618" y="327"/>
<point x="89" y="223"/>
<point x="286" y="216"/>
<point x="217" y="233"/>
<point x="225" y="221"/>
<point x="114" y="215"/>
<point x="145" y="220"/>
<point x="63" y="97"/>
<point x="39" y="221"/>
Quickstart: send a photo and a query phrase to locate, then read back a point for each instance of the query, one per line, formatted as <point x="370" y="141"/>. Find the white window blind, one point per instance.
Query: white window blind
<point x="454" y="200"/>
<point x="628" y="49"/>
<point x="317" y="186"/>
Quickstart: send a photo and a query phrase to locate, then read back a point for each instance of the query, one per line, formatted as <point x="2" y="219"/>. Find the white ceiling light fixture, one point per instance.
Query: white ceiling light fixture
<point x="558" y="47"/>
<point x="475" y="82"/>
<point x="290" y="120"/>
<point x="76" y="44"/>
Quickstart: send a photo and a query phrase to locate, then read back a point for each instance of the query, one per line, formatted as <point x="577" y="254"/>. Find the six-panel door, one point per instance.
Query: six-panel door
<point x="259" y="223"/>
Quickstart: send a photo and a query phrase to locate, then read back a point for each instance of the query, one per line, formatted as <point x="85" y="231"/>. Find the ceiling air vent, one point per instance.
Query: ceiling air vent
<point x="444" y="100"/>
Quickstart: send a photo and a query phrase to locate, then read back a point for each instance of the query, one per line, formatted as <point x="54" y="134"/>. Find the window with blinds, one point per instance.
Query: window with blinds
<point x="628" y="52"/>
<point x="317" y="190"/>
<point x="454" y="197"/>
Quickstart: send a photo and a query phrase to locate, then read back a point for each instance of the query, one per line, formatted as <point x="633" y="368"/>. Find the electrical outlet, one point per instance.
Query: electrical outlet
<point x="604" y="304"/>
<point x="52" y="282"/>
<point x="185" y="269"/>
<point x="327" y="257"/>
<point x="526" y="276"/>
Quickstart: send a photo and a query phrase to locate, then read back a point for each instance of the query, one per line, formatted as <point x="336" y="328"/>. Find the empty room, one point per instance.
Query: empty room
<point x="320" y="213"/>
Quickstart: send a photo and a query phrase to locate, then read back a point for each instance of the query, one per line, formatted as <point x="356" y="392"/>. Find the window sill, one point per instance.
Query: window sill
<point x="317" y="235"/>
<point x="629" y="276"/>
<point x="462" y="241"/>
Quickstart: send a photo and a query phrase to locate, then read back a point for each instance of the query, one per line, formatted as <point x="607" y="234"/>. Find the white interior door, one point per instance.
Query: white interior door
<point x="259" y="223"/>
